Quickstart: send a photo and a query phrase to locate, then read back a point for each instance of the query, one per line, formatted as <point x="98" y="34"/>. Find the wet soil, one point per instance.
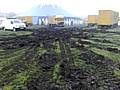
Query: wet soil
<point x="98" y="75"/>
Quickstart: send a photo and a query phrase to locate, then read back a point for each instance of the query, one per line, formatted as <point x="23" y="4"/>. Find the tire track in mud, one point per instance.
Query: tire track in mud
<point x="47" y="67"/>
<point x="43" y="80"/>
<point x="97" y="77"/>
<point x="101" y="78"/>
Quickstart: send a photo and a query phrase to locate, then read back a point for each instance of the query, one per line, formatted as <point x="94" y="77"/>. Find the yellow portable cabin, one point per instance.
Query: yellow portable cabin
<point x="92" y="20"/>
<point x="26" y="19"/>
<point x="108" y="18"/>
<point x="56" y="20"/>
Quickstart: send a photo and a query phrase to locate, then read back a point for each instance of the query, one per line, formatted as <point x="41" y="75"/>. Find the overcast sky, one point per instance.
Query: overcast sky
<point x="76" y="7"/>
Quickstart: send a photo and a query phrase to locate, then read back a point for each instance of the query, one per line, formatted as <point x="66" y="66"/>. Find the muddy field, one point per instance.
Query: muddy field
<point x="60" y="59"/>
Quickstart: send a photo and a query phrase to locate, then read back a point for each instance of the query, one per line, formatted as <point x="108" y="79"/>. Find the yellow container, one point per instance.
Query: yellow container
<point x="92" y="19"/>
<point x="107" y="17"/>
<point x="27" y="19"/>
<point x="55" y="19"/>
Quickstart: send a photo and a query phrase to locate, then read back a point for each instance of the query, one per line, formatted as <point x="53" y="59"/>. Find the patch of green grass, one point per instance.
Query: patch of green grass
<point x="82" y="63"/>
<point x="56" y="74"/>
<point x="1" y="50"/>
<point x="18" y="82"/>
<point x="114" y="30"/>
<point x="57" y="47"/>
<point x="12" y="54"/>
<point x="112" y="37"/>
<point x="33" y="67"/>
<point x="76" y="56"/>
<point x="102" y="35"/>
<point x="77" y="61"/>
<point x="6" y="34"/>
<point x="13" y="58"/>
<point x="107" y="54"/>
<point x="7" y="87"/>
<point x="30" y="68"/>
<point x="96" y="43"/>
<point x="117" y="72"/>
<point x="41" y="51"/>
<point x="6" y="62"/>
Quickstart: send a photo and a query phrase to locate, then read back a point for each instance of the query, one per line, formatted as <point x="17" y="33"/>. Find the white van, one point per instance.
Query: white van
<point x="10" y="23"/>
